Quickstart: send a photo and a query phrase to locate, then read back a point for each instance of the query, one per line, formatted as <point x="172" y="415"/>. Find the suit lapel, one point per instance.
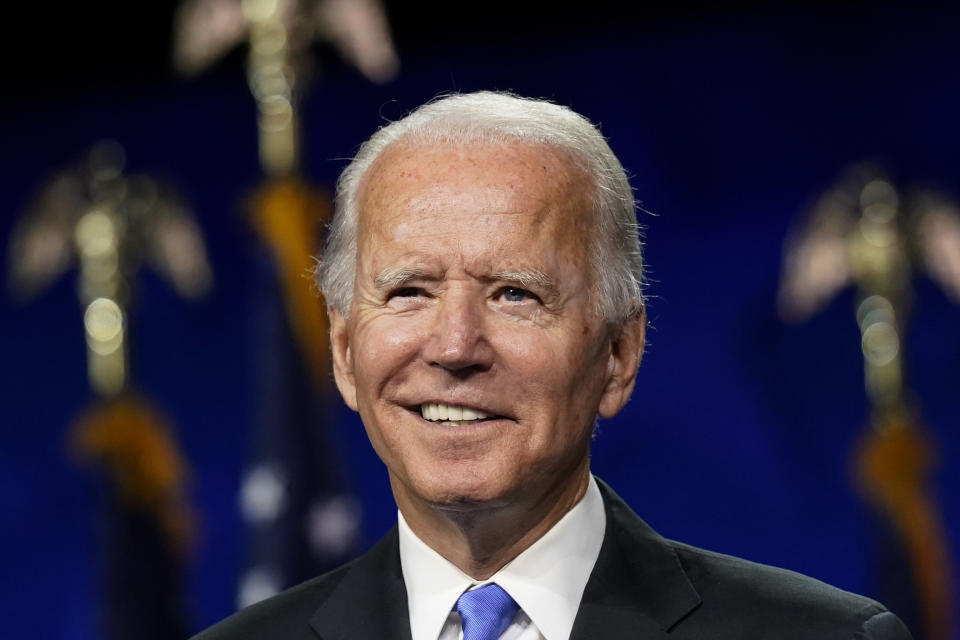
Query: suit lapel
<point x="370" y="602"/>
<point x="638" y="589"/>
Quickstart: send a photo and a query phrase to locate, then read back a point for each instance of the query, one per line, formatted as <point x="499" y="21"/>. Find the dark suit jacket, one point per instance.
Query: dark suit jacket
<point x="643" y="587"/>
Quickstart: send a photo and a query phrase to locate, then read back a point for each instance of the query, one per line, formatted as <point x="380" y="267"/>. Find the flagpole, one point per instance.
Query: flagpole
<point x="860" y="233"/>
<point x="301" y="518"/>
<point x="109" y="223"/>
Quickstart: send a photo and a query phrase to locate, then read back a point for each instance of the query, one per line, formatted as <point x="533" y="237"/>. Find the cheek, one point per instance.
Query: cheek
<point x="554" y="368"/>
<point x="526" y="352"/>
<point x="574" y="376"/>
<point x="381" y="348"/>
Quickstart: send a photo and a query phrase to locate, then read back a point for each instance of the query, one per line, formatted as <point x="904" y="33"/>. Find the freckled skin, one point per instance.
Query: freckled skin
<point x="541" y="361"/>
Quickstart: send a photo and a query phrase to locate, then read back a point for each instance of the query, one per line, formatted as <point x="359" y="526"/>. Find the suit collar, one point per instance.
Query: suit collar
<point x="638" y="588"/>
<point x="370" y="602"/>
<point x="547" y="579"/>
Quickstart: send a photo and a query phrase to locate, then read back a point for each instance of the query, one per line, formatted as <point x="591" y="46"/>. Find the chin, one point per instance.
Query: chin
<point x="454" y="491"/>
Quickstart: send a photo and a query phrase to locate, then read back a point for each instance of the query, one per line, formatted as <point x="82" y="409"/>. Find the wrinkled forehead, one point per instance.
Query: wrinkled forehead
<point x="537" y="180"/>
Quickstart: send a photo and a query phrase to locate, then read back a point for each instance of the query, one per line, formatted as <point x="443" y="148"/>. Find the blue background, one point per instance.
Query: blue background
<point x="738" y="434"/>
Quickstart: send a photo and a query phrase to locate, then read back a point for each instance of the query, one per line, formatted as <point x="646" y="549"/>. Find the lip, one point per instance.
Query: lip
<point x="476" y="428"/>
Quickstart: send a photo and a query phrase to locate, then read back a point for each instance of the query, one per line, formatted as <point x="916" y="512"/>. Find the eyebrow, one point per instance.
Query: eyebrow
<point x="527" y="278"/>
<point x="394" y="277"/>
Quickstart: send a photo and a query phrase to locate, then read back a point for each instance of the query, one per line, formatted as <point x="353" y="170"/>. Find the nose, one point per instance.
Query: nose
<point x="458" y="340"/>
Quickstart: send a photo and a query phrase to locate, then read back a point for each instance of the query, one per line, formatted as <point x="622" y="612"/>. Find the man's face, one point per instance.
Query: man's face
<point x="472" y="351"/>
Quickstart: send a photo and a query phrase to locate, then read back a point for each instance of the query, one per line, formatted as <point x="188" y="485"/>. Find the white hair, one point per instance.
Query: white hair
<point x="493" y="118"/>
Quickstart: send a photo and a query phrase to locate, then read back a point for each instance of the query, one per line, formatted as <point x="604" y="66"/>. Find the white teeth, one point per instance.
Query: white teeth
<point x="445" y="412"/>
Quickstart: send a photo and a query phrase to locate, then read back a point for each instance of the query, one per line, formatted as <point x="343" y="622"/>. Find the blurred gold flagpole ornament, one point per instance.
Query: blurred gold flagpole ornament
<point x="108" y="224"/>
<point x="286" y="212"/>
<point x="301" y="519"/>
<point x="861" y="233"/>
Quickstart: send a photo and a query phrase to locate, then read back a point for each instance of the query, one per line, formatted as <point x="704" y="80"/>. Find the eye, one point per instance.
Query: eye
<point x="407" y="298"/>
<point x="405" y="292"/>
<point x="516" y="294"/>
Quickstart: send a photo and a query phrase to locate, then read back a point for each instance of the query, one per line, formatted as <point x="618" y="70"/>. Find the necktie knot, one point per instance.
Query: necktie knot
<point x="485" y="612"/>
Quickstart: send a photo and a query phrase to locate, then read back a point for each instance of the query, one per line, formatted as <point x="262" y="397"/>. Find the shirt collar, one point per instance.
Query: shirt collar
<point x="547" y="579"/>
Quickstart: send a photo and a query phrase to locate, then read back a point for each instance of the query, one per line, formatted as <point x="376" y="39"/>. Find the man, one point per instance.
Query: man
<point x="484" y="281"/>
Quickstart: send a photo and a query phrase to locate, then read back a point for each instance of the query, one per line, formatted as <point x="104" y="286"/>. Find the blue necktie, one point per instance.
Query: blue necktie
<point x="485" y="612"/>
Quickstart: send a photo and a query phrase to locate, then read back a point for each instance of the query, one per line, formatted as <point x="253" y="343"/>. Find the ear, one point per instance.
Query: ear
<point x="342" y="358"/>
<point x="626" y="349"/>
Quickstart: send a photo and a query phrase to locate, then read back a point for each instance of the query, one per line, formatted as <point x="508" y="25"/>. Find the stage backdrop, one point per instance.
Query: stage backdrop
<point x="739" y="432"/>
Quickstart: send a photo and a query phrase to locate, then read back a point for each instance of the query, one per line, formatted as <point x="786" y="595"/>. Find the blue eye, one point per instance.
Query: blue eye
<point x="515" y="294"/>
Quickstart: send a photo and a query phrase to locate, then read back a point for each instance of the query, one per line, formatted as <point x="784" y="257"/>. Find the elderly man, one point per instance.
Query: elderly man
<point x="484" y="281"/>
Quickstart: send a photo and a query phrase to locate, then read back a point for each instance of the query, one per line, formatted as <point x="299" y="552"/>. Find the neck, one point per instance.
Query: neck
<point x="480" y="539"/>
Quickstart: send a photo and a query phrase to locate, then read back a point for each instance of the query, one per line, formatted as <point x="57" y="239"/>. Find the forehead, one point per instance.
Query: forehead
<point x="481" y="185"/>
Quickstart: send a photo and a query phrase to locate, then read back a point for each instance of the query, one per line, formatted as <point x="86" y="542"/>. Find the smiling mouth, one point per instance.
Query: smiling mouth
<point x="449" y="415"/>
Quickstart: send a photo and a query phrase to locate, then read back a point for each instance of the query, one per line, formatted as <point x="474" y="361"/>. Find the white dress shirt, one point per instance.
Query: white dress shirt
<point x="547" y="579"/>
